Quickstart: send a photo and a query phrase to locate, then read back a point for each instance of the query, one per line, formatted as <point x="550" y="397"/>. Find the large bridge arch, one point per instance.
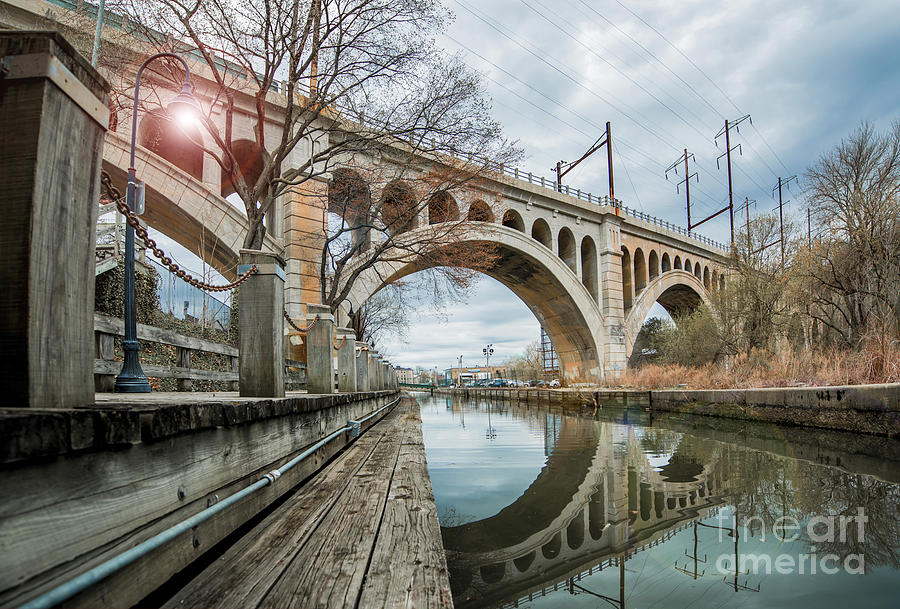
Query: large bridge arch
<point x="543" y="281"/>
<point x="677" y="291"/>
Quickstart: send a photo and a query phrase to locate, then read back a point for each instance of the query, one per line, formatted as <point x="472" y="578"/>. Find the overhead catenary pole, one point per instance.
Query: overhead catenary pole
<point x="730" y="188"/>
<point x="603" y="140"/>
<point x="727" y="154"/>
<point x="684" y="158"/>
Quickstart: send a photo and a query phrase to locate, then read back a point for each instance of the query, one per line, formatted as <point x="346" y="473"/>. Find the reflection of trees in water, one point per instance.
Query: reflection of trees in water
<point x="765" y="487"/>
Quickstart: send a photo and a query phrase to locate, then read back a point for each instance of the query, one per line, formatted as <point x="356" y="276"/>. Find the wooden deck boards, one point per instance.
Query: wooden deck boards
<point x="363" y="533"/>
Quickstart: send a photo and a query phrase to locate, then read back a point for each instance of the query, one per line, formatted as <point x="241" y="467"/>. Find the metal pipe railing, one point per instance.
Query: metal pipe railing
<point x="72" y="587"/>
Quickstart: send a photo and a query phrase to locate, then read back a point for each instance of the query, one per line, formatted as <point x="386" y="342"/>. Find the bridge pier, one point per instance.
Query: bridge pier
<point x="304" y="227"/>
<point x="612" y="304"/>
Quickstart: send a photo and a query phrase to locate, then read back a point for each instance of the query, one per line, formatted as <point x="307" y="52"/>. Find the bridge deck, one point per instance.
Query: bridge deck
<point x="362" y="533"/>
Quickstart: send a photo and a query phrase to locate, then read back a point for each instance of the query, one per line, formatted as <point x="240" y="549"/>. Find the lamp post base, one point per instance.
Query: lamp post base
<point x="132" y="378"/>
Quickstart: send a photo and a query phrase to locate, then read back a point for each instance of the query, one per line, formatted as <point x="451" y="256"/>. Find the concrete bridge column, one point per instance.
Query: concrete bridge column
<point x="319" y="349"/>
<point x="53" y="117"/>
<point x="362" y="367"/>
<point x="304" y="223"/>
<point x="347" y="381"/>
<point x="612" y="304"/>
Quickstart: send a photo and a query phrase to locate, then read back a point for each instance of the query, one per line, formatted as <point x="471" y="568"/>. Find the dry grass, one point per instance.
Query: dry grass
<point x="877" y="362"/>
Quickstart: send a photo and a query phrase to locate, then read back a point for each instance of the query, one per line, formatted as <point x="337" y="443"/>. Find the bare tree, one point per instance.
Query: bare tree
<point x="852" y="269"/>
<point x="353" y="77"/>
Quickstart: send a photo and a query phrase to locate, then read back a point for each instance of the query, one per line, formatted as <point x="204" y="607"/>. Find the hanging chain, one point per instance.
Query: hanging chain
<point x="122" y="206"/>
<point x="338" y="346"/>
<point x="295" y="326"/>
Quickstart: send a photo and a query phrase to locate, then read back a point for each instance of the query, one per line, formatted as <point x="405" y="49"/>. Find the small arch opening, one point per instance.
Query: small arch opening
<point x="706" y="277"/>
<point x="540" y="230"/>
<point x="627" y="290"/>
<point x="666" y="263"/>
<point x="653" y="263"/>
<point x="640" y="271"/>
<point x="566" y="241"/>
<point x="442" y="207"/>
<point x="398" y="207"/>
<point x="677" y="264"/>
<point x="575" y="532"/>
<point x="174" y="143"/>
<point x="513" y="219"/>
<point x="250" y="158"/>
<point x="697" y="272"/>
<point x="479" y="211"/>
<point x="551" y="548"/>
<point x="589" y="266"/>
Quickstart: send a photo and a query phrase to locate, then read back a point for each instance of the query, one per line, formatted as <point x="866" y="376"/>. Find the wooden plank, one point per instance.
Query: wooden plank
<point x="166" y="372"/>
<point x="408" y="566"/>
<point x="328" y="571"/>
<point x="114" y="325"/>
<point x="247" y="571"/>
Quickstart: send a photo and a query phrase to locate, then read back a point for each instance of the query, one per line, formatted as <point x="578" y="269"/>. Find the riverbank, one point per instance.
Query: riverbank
<point x="869" y="409"/>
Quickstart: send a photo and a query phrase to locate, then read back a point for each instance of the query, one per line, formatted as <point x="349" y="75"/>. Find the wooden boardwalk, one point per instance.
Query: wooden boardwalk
<point x="363" y="533"/>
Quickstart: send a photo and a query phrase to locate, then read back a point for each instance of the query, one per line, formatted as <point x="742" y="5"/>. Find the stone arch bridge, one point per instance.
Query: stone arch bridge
<point x="587" y="266"/>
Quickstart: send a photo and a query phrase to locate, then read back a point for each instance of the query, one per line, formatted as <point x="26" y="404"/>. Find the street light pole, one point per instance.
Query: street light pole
<point x="132" y="379"/>
<point x="488" y="352"/>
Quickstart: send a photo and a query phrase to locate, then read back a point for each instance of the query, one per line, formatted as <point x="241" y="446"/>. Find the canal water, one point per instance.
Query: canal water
<point x="544" y="507"/>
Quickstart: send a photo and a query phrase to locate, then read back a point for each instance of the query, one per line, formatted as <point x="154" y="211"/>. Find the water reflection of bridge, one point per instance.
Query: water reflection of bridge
<point x="599" y="497"/>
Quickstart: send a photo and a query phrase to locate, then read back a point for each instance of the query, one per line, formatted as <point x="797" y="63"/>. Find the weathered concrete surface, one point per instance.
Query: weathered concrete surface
<point x="319" y="349"/>
<point x="262" y="326"/>
<point x="53" y="117"/>
<point x="871" y="409"/>
<point x="92" y="482"/>
<point x="346" y="357"/>
<point x="362" y="367"/>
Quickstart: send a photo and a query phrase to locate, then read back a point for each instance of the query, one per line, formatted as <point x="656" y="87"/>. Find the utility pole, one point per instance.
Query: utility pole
<point x="782" y="183"/>
<point x="749" y="243"/>
<point x="488" y="351"/>
<point x="809" y="227"/>
<point x="603" y="140"/>
<point x="686" y="181"/>
<point x="727" y="154"/>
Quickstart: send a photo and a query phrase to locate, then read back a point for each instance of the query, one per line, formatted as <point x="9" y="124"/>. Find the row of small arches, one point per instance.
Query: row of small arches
<point x="638" y="271"/>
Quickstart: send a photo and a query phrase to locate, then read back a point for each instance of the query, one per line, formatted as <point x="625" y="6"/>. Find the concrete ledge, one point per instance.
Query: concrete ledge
<point x="869" y="409"/>
<point x="29" y="433"/>
<point x="91" y="483"/>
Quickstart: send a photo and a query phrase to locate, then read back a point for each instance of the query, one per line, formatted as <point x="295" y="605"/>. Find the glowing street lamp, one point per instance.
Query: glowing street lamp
<point x="132" y="379"/>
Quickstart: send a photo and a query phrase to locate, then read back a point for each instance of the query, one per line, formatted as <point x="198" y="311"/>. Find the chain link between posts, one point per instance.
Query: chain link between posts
<point x="294" y="325"/>
<point x="338" y="346"/>
<point x="116" y="195"/>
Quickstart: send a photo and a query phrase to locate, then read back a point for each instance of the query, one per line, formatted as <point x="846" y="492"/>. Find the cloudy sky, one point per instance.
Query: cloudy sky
<point x="667" y="75"/>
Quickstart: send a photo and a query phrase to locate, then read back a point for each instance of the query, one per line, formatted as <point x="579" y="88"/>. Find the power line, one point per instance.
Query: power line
<point x="610" y="64"/>
<point x="653" y="55"/>
<point x="615" y="106"/>
<point x="706" y="76"/>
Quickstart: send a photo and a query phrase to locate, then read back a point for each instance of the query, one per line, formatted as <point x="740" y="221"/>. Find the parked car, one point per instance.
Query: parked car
<point x="554" y="383"/>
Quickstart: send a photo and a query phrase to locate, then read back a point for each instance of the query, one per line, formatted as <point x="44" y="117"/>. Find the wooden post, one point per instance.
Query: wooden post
<point x="346" y="360"/>
<point x="236" y="367"/>
<point x="53" y="117"/>
<point x="374" y="371"/>
<point x="104" y="349"/>
<point x="319" y="349"/>
<point x="362" y="367"/>
<point x="183" y="360"/>
<point x="262" y="325"/>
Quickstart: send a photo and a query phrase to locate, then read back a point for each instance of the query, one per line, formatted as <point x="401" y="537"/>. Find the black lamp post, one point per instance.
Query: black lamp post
<point x="132" y="378"/>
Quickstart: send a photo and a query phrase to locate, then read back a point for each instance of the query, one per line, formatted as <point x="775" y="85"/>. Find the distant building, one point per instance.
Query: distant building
<point x="474" y="373"/>
<point x="405" y="375"/>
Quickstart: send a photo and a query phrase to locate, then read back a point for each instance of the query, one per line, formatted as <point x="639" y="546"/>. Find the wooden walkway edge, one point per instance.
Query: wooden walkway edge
<point x="362" y="534"/>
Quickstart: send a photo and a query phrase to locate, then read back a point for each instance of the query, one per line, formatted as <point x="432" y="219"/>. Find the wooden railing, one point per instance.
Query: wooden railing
<point x="106" y="367"/>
